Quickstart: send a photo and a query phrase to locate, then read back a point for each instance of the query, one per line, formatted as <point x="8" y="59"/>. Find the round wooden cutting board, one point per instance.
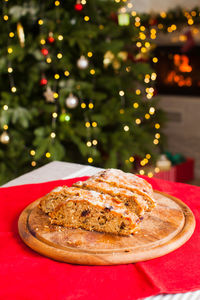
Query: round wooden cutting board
<point x="163" y="230"/>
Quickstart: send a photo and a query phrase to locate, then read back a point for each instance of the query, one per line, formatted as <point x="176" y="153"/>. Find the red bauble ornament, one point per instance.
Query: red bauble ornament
<point x="51" y="39"/>
<point x="43" y="81"/>
<point x="78" y="6"/>
<point x="45" y="51"/>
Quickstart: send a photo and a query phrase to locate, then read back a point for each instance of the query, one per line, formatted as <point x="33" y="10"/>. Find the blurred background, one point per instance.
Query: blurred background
<point x="109" y="83"/>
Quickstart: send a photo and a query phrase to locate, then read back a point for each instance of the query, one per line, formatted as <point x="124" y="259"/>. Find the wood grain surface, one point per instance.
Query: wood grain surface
<point x="163" y="230"/>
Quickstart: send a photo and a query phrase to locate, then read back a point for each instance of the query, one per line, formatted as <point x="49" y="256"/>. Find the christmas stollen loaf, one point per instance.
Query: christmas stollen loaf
<point x="110" y="201"/>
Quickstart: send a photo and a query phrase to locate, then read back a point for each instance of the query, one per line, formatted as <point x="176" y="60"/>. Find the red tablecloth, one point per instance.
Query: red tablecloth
<point x="26" y="275"/>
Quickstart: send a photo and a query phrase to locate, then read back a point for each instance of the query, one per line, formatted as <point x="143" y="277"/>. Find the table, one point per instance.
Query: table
<point x="63" y="170"/>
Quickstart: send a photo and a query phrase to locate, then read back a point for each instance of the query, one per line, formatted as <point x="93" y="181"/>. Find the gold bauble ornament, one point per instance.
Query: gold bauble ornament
<point x="4" y="138"/>
<point x="123" y="55"/>
<point x="108" y="58"/>
<point x="116" y="64"/>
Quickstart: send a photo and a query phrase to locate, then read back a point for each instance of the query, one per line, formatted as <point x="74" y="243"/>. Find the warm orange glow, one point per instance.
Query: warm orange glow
<point x="181" y="63"/>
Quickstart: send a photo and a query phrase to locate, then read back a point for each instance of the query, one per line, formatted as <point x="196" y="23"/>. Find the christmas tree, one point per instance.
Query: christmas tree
<point x="76" y="85"/>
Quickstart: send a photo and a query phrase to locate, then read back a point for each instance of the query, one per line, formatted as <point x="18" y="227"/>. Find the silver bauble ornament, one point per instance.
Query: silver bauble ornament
<point x="82" y="62"/>
<point x="4" y="138"/>
<point x="71" y="101"/>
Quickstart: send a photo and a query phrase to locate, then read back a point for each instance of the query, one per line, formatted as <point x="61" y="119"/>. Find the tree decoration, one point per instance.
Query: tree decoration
<point x="78" y="6"/>
<point x="49" y="95"/>
<point x="82" y="62"/>
<point x="50" y="38"/>
<point x="4" y="138"/>
<point x="43" y="81"/>
<point x="64" y="117"/>
<point x="108" y="58"/>
<point x="44" y="51"/>
<point x="71" y="101"/>
<point x="123" y="17"/>
<point x="20" y="34"/>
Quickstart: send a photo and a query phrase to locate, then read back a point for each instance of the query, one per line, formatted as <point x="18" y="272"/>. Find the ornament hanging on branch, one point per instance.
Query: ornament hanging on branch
<point x="50" y="38"/>
<point x="82" y="62"/>
<point x="78" y="6"/>
<point x="123" y="17"/>
<point x="20" y="34"/>
<point x="71" y="101"/>
<point x="44" y="51"/>
<point x="4" y="138"/>
<point x="64" y="117"/>
<point x="49" y="95"/>
<point x="43" y="80"/>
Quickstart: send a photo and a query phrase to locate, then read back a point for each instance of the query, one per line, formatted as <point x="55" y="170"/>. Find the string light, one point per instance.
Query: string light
<point x="56" y="76"/>
<point x="86" y="18"/>
<point x="94" y="124"/>
<point x="133" y="13"/>
<point x="87" y="124"/>
<point x="147" y="116"/>
<point x="138" y="92"/>
<point x="151" y="110"/>
<point x="33" y="163"/>
<point x="190" y="21"/>
<point x="139" y="44"/>
<point x="13" y="89"/>
<point x="148" y="156"/>
<point x="10" y="50"/>
<point x="157" y="125"/>
<point x="150" y="174"/>
<point x="59" y="55"/>
<point x="90" y="160"/>
<point x="89" y="54"/>
<point x="94" y="142"/>
<point x="141" y="172"/>
<point x="32" y="152"/>
<point x="42" y="42"/>
<point x="57" y="3"/>
<point x="5" y="127"/>
<point x="54" y="114"/>
<point x="89" y="144"/>
<point x="155" y="141"/>
<point x="121" y="93"/>
<point x="91" y="105"/>
<point x="138" y="121"/>
<point x="153" y="76"/>
<point x="48" y="60"/>
<point x="157" y="135"/>
<point x="53" y="135"/>
<point x="67" y="73"/>
<point x="83" y="105"/>
<point x="131" y="159"/>
<point x="11" y="34"/>
<point x="157" y="170"/>
<point x="126" y="128"/>
<point x="48" y="154"/>
<point x="163" y="14"/>
<point x="60" y="37"/>
<point x="135" y="105"/>
<point x="40" y="22"/>
<point x="92" y="71"/>
<point x="5" y="107"/>
<point x="55" y="95"/>
<point x="5" y="17"/>
<point x="10" y="70"/>
<point x="155" y="59"/>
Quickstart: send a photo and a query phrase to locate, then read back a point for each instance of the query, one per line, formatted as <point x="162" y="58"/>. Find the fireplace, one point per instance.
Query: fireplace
<point x="178" y="72"/>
